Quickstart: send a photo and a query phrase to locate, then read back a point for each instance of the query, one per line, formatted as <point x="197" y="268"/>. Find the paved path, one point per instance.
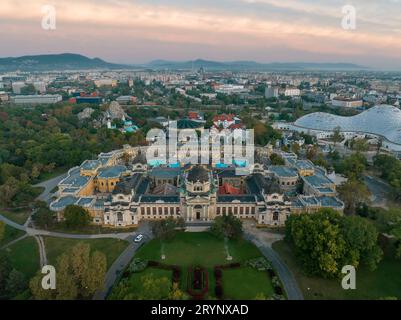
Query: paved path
<point x="122" y="261"/>
<point x="14" y="241"/>
<point x="285" y="275"/>
<point x="264" y="240"/>
<point x="49" y="185"/>
<point x="38" y="232"/>
<point x="42" y="250"/>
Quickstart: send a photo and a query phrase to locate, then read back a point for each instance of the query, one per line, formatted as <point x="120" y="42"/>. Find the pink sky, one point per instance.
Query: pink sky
<point x="130" y="31"/>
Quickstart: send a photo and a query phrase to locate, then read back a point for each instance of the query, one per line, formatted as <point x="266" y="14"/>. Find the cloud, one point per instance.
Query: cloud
<point x="299" y="26"/>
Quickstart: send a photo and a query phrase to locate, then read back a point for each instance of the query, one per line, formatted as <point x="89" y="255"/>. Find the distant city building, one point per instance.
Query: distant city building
<point x="231" y="89"/>
<point x="126" y="100"/>
<point x="37" y="99"/>
<point x="17" y="86"/>
<point x="346" y="102"/>
<point x="40" y="86"/>
<point x="272" y="92"/>
<point x="292" y="92"/>
<point x="105" y="82"/>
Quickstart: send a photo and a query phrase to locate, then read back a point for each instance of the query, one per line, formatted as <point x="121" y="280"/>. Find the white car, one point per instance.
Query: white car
<point x="138" y="238"/>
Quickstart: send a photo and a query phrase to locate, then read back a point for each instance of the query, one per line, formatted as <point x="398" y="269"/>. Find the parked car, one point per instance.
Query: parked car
<point x="138" y="238"/>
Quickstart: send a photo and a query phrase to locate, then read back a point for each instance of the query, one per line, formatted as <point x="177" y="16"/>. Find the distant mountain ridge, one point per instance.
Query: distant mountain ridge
<point x="46" y="62"/>
<point x="251" y="65"/>
<point x="71" y="61"/>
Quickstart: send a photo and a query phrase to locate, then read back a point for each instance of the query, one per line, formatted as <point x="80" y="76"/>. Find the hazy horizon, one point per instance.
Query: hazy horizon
<point x="265" y="31"/>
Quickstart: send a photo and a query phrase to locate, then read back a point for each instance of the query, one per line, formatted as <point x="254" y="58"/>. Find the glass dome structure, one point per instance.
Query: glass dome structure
<point x="383" y="120"/>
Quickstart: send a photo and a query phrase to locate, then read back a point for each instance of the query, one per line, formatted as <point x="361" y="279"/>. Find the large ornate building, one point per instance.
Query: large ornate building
<point x="121" y="189"/>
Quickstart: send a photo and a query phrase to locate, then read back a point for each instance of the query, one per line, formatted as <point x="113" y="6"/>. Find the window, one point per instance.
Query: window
<point x="275" y="216"/>
<point x="218" y="210"/>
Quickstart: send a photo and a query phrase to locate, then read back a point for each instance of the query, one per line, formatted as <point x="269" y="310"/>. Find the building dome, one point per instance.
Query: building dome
<point x="198" y="173"/>
<point x="383" y="120"/>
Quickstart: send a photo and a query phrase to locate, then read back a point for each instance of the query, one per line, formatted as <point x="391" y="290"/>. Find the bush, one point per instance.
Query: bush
<point x="260" y="264"/>
<point x="218" y="290"/>
<point x="152" y="263"/>
<point x="138" y="265"/>
<point x="217" y="273"/>
<point x="176" y="274"/>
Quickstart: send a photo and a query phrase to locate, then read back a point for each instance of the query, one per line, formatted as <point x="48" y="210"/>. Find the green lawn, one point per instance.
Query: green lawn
<point x="383" y="282"/>
<point x="189" y="249"/>
<point x="18" y="216"/>
<point x="112" y="248"/>
<point x="10" y="235"/>
<point x="90" y="229"/>
<point x="24" y="256"/>
<point x="246" y="283"/>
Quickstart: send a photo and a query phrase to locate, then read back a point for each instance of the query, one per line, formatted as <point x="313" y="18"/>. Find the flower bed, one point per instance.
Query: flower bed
<point x="197" y="282"/>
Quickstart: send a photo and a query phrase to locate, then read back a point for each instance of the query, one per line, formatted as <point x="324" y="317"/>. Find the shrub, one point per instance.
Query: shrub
<point x="153" y="264"/>
<point x="137" y="265"/>
<point x="217" y="273"/>
<point x="218" y="291"/>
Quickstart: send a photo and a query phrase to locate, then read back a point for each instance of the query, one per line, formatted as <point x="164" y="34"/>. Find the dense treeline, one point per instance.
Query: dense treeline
<point x="40" y="140"/>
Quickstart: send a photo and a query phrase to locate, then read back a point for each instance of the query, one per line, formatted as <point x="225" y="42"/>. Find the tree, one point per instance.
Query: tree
<point x="362" y="236"/>
<point x="16" y="283"/>
<point x="276" y="159"/>
<point x="354" y="194"/>
<point x="165" y="229"/>
<point x="5" y="269"/>
<point x="155" y="288"/>
<point x="176" y="293"/>
<point x="76" y="216"/>
<point x="93" y="278"/>
<point x="354" y="166"/>
<point x="318" y="242"/>
<point x="337" y="137"/>
<point x="227" y="226"/>
<point x="44" y="218"/>
<point x="80" y="273"/>
<point x="326" y="241"/>
<point x="2" y="230"/>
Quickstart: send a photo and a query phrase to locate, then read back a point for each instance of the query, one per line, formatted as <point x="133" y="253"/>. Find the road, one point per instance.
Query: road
<point x="49" y="185"/>
<point x="263" y="240"/>
<point x="379" y="190"/>
<point x="122" y="261"/>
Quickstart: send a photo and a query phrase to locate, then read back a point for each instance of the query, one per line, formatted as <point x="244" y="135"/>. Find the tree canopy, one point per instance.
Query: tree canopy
<point x="326" y="241"/>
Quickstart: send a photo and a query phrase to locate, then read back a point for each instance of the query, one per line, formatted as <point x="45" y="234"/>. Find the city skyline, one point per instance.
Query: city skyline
<point x="266" y="31"/>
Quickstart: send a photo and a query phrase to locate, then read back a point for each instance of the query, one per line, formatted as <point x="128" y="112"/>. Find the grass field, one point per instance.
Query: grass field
<point x="10" y="235"/>
<point x="24" y="256"/>
<point x="112" y="248"/>
<point x="189" y="249"/>
<point x="383" y="282"/>
<point x="245" y="283"/>
<point x="18" y="216"/>
<point x="90" y="229"/>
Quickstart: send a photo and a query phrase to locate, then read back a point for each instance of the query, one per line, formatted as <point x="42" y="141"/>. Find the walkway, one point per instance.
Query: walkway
<point x="122" y="261"/>
<point x="263" y="240"/>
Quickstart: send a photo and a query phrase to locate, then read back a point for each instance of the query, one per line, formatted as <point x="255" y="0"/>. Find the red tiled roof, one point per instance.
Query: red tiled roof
<point x="224" y="117"/>
<point x="227" y="188"/>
